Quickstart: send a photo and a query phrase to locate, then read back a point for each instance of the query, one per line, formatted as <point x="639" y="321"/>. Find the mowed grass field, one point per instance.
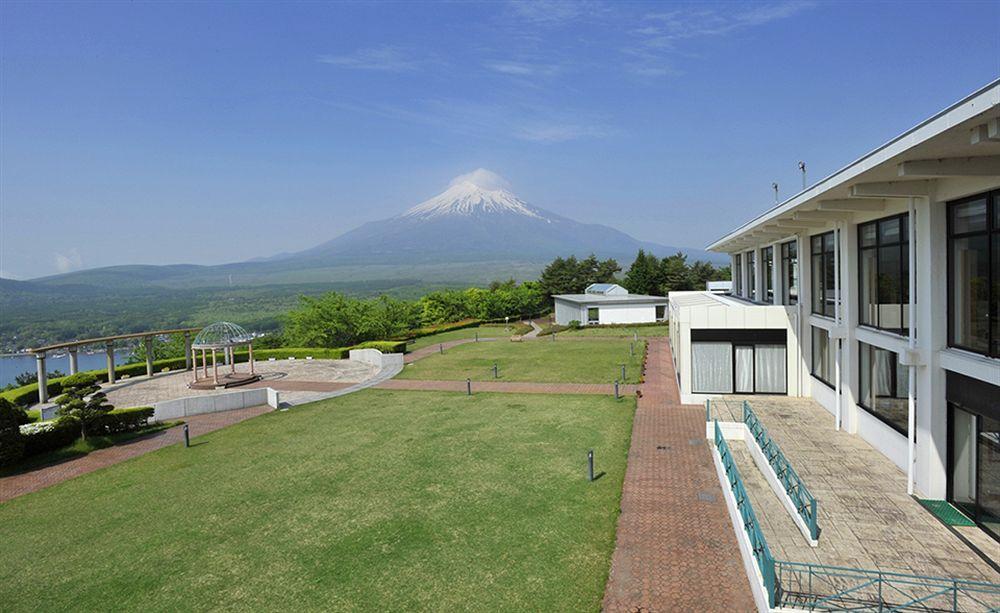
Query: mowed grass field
<point x="484" y="331"/>
<point x="620" y="332"/>
<point x="378" y="500"/>
<point x="540" y="361"/>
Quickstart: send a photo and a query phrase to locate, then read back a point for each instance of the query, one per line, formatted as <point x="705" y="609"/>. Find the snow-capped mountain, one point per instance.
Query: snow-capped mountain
<point x="477" y="218"/>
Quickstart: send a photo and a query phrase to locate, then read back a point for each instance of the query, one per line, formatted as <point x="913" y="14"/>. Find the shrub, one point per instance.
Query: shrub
<point x="82" y="401"/>
<point x="437" y="329"/>
<point x="123" y="420"/>
<point x="49" y="436"/>
<point x="574" y="324"/>
<point x="11" y="440"/>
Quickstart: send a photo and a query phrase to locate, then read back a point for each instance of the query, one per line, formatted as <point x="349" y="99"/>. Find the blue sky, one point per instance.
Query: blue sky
<point x="137" y="132"/>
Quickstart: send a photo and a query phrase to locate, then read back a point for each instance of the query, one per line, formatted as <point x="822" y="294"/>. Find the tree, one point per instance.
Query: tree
<point x="82" y="401"/>
<point x="674" y="274"/>
<point x="171" y="347"/>
<point x="27" y="378"/>
<point x="642" y="275"/>
<point x="11" y="440"/>
<point x="572" y="276"/>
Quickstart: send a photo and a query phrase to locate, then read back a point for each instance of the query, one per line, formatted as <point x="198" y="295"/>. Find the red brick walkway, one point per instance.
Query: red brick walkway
<point x="25" y="483"/>
<point x="514" y="387"/>
<point x="675" y="547"/>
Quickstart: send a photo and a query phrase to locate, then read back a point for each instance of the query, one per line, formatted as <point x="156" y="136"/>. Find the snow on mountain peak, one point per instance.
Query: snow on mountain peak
<point x="480" y="191"/>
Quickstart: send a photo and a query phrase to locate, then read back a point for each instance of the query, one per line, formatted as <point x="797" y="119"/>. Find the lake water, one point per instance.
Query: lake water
<point x="13" y="365"/>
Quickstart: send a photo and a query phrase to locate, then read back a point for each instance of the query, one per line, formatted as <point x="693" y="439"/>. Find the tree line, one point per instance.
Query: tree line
<point x="648" y="274"/>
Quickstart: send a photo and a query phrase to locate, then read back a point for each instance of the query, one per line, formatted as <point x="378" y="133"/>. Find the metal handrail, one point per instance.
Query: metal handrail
<point x="802" y="498"/>
<point x="758" y="544"/>
<point x="816" y="587"/>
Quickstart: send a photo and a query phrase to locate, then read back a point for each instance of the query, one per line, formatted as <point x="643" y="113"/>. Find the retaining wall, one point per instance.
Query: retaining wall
<point x="214" y="403"/>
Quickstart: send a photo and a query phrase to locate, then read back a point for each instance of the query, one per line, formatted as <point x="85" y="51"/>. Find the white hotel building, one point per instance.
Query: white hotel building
<point x="876" y="292"/>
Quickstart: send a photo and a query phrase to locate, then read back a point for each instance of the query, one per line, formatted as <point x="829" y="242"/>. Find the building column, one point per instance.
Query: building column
<point x="187" y="352"/>
<point x="74" y="363"/>
<point x="110" y="349"/>
<point x="43" y="378"/>
<point x="148" y="341"/>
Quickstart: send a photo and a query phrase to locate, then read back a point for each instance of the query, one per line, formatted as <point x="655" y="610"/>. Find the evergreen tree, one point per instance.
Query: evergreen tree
<point x="675" y="274"/>
<point x="641" y="277"/>
<point x="82" y="401"/>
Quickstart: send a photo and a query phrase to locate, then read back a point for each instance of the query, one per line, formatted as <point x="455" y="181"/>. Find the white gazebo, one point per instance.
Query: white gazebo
<point x="225" y="337"/>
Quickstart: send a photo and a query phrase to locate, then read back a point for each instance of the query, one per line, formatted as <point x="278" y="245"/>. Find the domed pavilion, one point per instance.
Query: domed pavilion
<point x="222" y="337"/>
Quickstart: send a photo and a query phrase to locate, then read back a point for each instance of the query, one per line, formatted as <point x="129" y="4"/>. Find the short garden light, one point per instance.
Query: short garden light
<point x="187" y="436"/>
<point x="623" y="372"/>
<point x="468" y="387"/>
<point x="616" y="391"/>
<point x="590" y="465"/>
<point x="441" y="348"/>
<point x="496" y="373"/>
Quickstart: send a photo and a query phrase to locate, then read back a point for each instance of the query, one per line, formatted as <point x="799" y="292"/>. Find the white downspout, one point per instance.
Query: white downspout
<point x="836" y="318"/>
<point x="911" y="401"/>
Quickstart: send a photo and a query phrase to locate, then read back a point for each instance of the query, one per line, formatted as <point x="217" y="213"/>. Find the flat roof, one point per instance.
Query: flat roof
<point x="612" y="299"/>
<point x="879" y="164"/>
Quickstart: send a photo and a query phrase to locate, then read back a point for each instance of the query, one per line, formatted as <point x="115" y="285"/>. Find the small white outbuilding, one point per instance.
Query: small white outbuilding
<point x="609" y="303"/>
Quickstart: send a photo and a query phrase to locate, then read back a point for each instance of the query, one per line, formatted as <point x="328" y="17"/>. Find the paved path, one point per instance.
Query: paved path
<point x="535" y="329"/>
<point x="18" y="485"/>
<point x="675" y="548"/>
<point x="514" y="387"/>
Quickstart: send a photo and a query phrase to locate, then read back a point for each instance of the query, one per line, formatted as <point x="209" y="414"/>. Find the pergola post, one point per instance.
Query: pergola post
<point x="43" y="378"/>
<point x="232" y="359"/>
<point x="110" y="349"/>
<point x="187" y="354"/>
<point x="204" y="363"/>
<point x="250" y="356"/>
<point x="148" y="341"/>
<point x="74" y="364"/>
<point x="215" y="369"/>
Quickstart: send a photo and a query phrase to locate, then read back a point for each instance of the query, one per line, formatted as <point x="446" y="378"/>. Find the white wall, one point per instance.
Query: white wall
<point x="626" y="314"/>
<point x="569" y="311"/>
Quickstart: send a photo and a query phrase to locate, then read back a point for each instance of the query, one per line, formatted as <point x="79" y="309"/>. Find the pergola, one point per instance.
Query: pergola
<point x="222" y="336"/>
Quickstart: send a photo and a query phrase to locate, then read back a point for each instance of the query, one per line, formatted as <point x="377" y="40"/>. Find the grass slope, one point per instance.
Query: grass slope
<point x="620" y="331"/>
<point x="541" y="361"/>
<point x="484" y="331"/>
<point x="374" y="501"/>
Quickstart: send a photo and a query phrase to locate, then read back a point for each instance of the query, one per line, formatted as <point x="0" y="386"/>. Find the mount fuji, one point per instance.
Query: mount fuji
<point x="477" y="218"/>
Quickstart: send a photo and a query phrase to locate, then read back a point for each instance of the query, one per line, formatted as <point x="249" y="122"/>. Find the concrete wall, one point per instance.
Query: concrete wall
<point x="214" y="403"/>
<point x="569" y="311"/>
<point x="626" y="314"/>
<point x="376" y="358"/>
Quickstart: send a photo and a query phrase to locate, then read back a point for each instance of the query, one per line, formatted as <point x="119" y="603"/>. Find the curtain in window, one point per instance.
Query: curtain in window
<point x="744" y="369"/>
<point x="884" y="365"/>
<point x="770" y="369"/>
<point x="711" y="368"/>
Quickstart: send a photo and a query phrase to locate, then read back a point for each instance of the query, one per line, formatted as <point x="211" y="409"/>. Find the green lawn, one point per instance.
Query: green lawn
<point x="377" y="501"/>
<point x="542" y="361"/>
<point x="484" y="331"/>
<point x="623" y="332"/>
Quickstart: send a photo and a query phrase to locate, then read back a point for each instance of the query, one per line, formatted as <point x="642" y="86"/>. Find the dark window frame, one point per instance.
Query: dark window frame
<point x="826" y="257"/>
<point x="738" y="267"/>
<point x="992" y="198"/>
<point x="903" y="244"/>
<point x="767" y="262"/>
<point x="751" y="274"/>
<point x="788" y="273"/>
<point x="894" y="385"/>
<point x="812" y="350"/>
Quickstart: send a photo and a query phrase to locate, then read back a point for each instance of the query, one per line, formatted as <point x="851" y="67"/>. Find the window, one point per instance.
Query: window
<point x="738" y="274"/>
<point x="593" y="315"/>
<point x="741" y="361"/>
<point x="752" y="275"/>
<point x="823" y="275"/>
<point x="974" y="274"/>
<point x="661" y="312"/>
<point x="884" y="273"/>
<point x="823" y="356"/>
<point x="712" y="368"/>
<point x="767" y="255"/>
<point x="790" y="272"/>
<point x="884" y="386"/>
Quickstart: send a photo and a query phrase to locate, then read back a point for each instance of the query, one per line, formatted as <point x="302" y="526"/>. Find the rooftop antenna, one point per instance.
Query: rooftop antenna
<point x="774" y="186"/>
<point x="802" y="167"/>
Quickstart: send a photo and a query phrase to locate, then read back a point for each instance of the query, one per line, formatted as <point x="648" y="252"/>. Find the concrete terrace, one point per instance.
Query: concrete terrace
<point x="866" y="518"/>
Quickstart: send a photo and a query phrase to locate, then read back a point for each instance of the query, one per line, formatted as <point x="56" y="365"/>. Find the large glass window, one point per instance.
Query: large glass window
<point x="823" y="274"/>
<point x="790" y="272"/>
<point x="593" y="315"/>
<point x="738" y="274"/>
<point x="884" y="273"/>
<point x="823" y="356"/>
<point x="884" y="386"/>
<point x="767" y="258"/>
<point x="743" y="367"/>
<point x="974" y="274"/>
<point x="974" y="450"/>
<point x="752" y="275"/>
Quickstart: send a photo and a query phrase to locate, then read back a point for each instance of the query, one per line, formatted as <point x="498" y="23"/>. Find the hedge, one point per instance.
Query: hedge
<point x="49" y="436"/>
<point x="123" y="420"/>
<point x="439" y="328"/>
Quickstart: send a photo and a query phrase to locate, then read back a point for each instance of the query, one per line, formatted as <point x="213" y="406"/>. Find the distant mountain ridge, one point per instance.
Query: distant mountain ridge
<point x="476" y="227"/>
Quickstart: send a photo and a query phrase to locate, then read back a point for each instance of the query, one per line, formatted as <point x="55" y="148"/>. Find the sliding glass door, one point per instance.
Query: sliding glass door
<point x="743" y="367"/>
<point x="974" y="474"/>
<point x="739" y="364"/>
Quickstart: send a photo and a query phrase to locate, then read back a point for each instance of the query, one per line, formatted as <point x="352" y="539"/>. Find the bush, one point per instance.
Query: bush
<point x="11" y="440"/>
<point x="49" y="436"/>
<point x="439" y="328"/>
<point x="123" y="420"/>
<point x="575" y="324"/>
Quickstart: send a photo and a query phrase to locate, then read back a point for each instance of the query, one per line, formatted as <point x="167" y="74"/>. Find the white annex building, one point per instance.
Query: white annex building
<point x="608" y="303"/>
<point x="875" y="291"/>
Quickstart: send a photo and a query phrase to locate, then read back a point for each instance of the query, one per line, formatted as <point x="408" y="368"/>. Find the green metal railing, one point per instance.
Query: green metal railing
<point x="796" y="489"/>
<point x="815" y="587"/>
<point x="758" y="544"/>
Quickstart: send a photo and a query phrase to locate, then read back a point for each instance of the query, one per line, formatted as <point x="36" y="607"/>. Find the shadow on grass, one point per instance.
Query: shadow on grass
<point x="599" y="475"/>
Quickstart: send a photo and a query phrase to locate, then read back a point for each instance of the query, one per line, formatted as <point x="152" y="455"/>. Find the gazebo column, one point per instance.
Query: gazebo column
<point x="148" y="341"/>
<point x="187" y="353"/>
<point x="110" y="349"/>
<point x="204" y="363"/>
<point x="43" y="378"/>
<point x="250" y="356"/>
<point x="74" y="363"/>
<point x="215" y="368"/>
<point x="232" y="359"/>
